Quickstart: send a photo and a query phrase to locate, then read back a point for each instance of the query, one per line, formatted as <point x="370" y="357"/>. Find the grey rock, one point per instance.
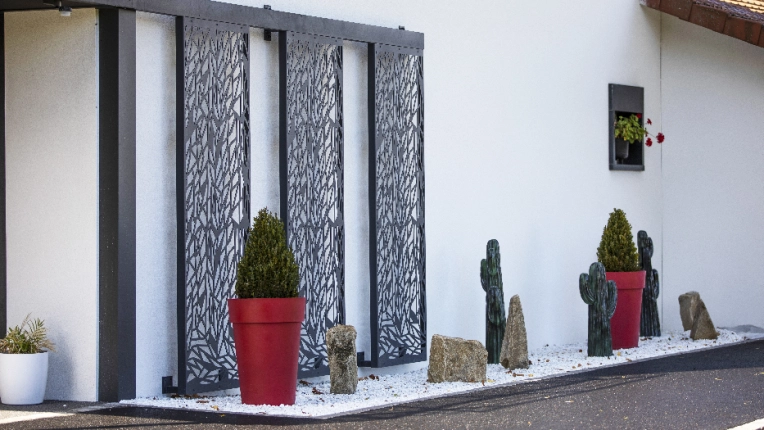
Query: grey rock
<point x="702" y="326"/>
<point x="688" y="306"/>
<point x="343" y="365"/>
<point x="514" y="347"/>
<point x="454" y="359"/>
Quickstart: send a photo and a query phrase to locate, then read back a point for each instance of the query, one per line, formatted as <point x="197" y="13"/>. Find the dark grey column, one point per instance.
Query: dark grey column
<point x="3" y="261"/>
<point x="116" y="308"/>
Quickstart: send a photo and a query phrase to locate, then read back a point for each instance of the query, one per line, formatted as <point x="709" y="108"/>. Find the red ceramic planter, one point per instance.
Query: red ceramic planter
<point x="624" y="326"/>
<point x="266" y="333"/>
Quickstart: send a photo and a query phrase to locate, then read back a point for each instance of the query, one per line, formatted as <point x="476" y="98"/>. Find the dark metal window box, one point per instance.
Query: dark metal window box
<point x="625" y="100"/>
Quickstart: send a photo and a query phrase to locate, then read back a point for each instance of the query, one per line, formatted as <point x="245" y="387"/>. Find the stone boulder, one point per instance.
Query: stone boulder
<point x="454" y="359"/>
<point x="514" y="347"/>
<point x="702" y="326"/>
<point x="343" y="364"/>
<point x="688" y="305"/>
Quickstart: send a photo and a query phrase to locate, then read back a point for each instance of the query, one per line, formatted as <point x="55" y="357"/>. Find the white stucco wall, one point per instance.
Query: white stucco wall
<point x="516" y="149"/>
<point x="713" y="99"/>
<point x="52" y="188"/>
<point x="156" y="265"/>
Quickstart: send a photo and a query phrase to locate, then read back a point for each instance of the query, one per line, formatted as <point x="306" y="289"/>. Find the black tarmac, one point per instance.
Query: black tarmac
<point x="712" y="389"/>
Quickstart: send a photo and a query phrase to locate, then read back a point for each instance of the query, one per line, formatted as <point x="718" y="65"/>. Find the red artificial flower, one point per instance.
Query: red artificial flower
<point x="649" y="142"/>
<point x="660" y="137"/>
<point x="649" y="122"/>
<point x="639" y="115"/>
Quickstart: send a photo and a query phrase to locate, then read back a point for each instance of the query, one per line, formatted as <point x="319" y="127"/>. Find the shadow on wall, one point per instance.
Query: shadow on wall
<point x="60" y="373"/>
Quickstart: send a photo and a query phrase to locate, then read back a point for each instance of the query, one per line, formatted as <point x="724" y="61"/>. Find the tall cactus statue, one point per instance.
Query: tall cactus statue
<point x="495" y="316"/>
<point x="650" y="324"/>
<point x="601" y="296"/>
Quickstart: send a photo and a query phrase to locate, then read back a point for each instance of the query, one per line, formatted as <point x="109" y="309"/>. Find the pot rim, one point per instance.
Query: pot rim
<point x="266" y="311"/>
<point x="629" y="285"/>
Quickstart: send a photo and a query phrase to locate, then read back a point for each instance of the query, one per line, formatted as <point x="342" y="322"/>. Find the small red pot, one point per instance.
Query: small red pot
<point x="266" y="333"/>
<point x="624" y="326"/>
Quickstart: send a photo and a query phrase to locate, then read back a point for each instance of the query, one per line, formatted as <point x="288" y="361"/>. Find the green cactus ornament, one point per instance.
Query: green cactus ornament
<point x="495" y="317"/>
<point x="650" y="323"/>
<point x="601" y="296"/>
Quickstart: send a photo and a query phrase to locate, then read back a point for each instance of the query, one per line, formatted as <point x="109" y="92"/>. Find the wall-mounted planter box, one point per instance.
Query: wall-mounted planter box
<point x="624" y="101"/>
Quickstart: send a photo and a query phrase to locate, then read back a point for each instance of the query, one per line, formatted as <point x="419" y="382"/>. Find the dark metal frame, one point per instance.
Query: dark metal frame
<point x="245" y="15"/>
<point x="117" y="197"/>
<point x="225" y="380"/>
<point x="623" y="99"/>
<point x="116" y="173"/>
<point x="326" y="295"/>
<point x="375" y="359"/>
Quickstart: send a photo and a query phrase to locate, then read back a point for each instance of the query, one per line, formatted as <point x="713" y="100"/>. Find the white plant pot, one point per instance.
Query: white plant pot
<point x="23" y="378"/>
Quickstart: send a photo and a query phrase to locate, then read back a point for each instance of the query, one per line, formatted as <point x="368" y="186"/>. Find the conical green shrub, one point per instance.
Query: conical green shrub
<point x="617" y="251"/>
<point x="268" y="268"/>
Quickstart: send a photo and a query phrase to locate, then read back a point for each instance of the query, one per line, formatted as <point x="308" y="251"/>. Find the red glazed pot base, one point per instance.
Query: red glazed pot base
<point x="266" y="334"/>
<point x="624" y="326"/>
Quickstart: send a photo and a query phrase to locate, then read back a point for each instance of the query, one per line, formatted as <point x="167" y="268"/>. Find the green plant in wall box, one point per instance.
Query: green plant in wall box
<point x="631" y="130"/>
<point x="268" y="268"/>
<point x="31" y="337"/>
<point x="617" y="251"/>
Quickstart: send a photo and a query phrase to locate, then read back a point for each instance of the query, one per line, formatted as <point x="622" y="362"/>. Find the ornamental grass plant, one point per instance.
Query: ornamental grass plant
<point x="617" y="251"/>
<point x="268" y="268"/>
<point x="31" y="337"/>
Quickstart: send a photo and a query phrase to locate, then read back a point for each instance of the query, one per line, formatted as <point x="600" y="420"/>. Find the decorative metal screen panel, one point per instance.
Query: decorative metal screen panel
<point x="213" y="195"/>
<point x="396" y="200"/>
<point x="312" y="184"/>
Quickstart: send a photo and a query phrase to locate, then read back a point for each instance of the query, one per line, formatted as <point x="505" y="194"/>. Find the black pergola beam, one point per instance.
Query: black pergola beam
<point x="270" y="20"/>
<point x="116" y="171"/>
<point x="19" y="5"/>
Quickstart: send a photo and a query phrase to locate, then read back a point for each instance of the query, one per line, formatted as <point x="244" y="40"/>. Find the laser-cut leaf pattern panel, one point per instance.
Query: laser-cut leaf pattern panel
<point x="216" y="196"/>
<point x="399" y="320"/>
<point x="312" y="176"/>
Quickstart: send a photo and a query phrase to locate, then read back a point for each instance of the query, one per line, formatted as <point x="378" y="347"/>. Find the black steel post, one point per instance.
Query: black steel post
<point x="283" y="121"/>
<point x="180" y="192"/>
<point x="116" y="358"/>
<point x="373" y="295"/>
<point x="3" y="260"/>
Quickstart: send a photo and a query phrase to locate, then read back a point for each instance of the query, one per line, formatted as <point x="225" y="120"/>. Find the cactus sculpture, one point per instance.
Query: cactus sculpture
<point x="495" y="316"/>
<point x="649" y="324"/>
<point x="601" y="296"/>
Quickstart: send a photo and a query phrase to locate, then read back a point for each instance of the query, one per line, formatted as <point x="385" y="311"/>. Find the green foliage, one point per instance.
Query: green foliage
<point x="617" y="251"/>
<point x="30" y="337"/>
<point x="629" y="129"/>
<point x="267" y="269"/>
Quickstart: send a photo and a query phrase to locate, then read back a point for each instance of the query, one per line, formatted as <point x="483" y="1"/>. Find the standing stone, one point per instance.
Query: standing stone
<point x="688" y="303"/>
<point x="454" y="359"/>
<point x="343" y="365"/>
<point x="702" y="326"/>
<point x="514" y="347"/>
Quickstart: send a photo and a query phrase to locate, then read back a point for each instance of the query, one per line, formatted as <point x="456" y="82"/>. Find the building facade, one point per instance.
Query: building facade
<point x="516" y="150"/>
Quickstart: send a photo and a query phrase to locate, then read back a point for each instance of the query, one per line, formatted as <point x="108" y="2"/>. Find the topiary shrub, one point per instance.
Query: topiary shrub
<point x="268" y="268"/>
<point x="617" y="251"/>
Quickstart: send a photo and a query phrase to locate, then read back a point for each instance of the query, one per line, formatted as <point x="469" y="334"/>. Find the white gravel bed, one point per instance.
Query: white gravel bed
<point x="314" y="400"/>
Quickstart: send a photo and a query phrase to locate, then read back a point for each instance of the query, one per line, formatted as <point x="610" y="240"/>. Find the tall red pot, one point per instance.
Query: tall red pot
<point x="624" y="326"/>
<point x="266" y="333"/>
